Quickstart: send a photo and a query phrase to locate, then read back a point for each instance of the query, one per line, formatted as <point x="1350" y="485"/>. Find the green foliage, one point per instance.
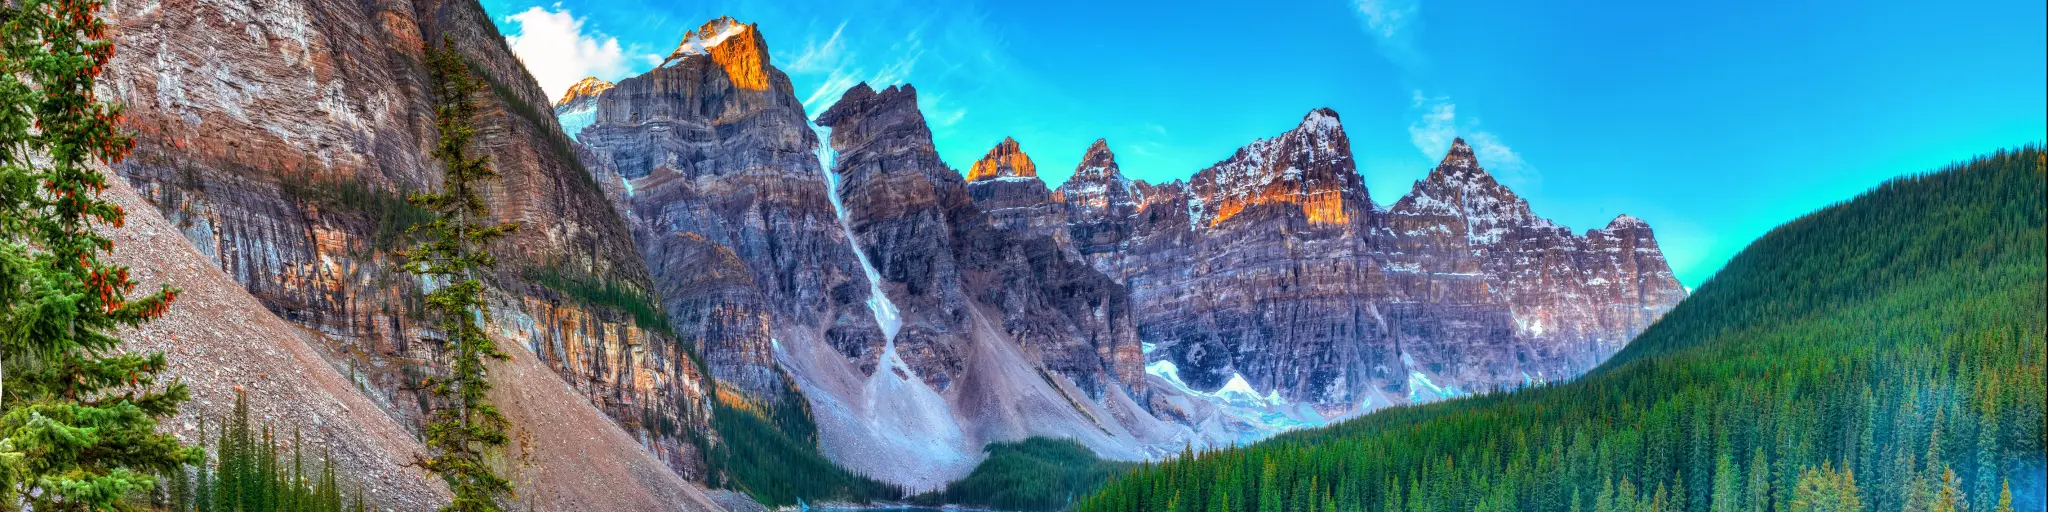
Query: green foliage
<point x="772" y="455"/>
<point x="391" y="214"/>
<point x="1882" y="354"/>
<point x="557" y="143"/>
<point x="603" y="292"/>
<point x="465" y="427"/>
<point x="78" y="413"/>
<point x="249" y="472"/>
<point x="1034" y="474"/>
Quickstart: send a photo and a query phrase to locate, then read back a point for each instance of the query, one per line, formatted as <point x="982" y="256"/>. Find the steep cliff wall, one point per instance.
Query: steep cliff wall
<point x="280" y="138"/>
<point x="1271" y="276"/>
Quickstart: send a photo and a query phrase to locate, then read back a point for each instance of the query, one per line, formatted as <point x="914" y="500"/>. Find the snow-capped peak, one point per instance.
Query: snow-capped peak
<point x="1626" y="221"/>
<point x="1321" y="121"/>
<point x="586" y="88"/>
<point x="700" y="41"/>
<point x="1460" y="156"/>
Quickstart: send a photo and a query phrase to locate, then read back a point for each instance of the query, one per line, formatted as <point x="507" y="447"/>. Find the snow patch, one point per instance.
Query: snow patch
<point x="886" y="314"/>
<point x="575" y="120"/>
<point x="701" y="44"/>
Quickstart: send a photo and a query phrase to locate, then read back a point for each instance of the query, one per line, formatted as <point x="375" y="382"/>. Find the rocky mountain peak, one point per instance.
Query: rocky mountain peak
<point x="1309" y="166"/>
<point x="584" y="90"/>
<point x="1097" y="183"/>
<point x="1626" y="221"/>
<point x="1006" y="160"/>
<point x="1099" y="163"/>
<point x="863" y="115"/>
<point x="1322" y="122"/>
<point x="1460" y="188"/>
<point x="1459" y="157"/>
<point x="735" y="46"/>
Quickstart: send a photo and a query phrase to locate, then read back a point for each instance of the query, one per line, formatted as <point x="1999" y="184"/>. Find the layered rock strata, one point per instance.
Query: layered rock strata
<point x="282" y="137"/>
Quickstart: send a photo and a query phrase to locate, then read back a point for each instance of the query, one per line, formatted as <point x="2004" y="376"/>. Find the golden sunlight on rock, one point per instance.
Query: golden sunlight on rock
<point x="1006" y="160"/>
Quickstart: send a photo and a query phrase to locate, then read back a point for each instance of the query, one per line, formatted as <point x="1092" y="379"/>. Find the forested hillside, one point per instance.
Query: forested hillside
<point x="1881" y="354"/>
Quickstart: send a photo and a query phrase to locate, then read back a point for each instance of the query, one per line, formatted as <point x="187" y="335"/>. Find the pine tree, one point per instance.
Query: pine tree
<point x="1727" y="490"/>
<point x="1759" y="470"/>
<point x="77" y="414"/>
<point x="2005" y="498"/>
<point x="465" y="427"/>
<point x="1988" y="453"/>
<point x="1826" y="490"/>
<point x="1949" y="497"/>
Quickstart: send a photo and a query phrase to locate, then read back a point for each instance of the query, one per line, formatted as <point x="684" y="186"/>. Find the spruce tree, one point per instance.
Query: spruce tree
<point x="77" y="413"/>
<point x="465" y="427"/>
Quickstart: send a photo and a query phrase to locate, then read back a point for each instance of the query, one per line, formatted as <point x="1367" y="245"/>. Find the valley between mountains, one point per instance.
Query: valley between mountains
<point x="737" y="287"/>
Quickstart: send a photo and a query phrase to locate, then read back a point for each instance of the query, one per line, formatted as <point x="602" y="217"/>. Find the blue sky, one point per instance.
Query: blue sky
<point x="1713" y="121"/>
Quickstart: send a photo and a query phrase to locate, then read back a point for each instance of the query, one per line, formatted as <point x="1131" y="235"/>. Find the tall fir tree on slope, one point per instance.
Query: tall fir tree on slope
<point x="78" y="414"/>
<point x="465" y="426"/>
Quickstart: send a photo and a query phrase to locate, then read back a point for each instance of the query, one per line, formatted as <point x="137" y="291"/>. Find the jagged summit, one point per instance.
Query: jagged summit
<point x="1626" y="221"/>
<point x="1098" y="163"/>
<point x="1322" y="120"/>
<point x="1006" y="160"/>
<point x="712" y="34"/>
<point x="1309" y="166"/>
<point x="588" y="88"/>
<point x="1460" y="157"/>
<point x="735" y="46"/>
<point x="864" y="115"/>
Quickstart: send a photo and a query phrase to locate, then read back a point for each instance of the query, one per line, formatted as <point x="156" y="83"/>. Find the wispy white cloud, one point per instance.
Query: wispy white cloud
<point x="843" y="67"/>
<point x="558" y="52"/>
<point x="938" y="113"/>
<point x="1437" y="124"/>
<point x="1392" y="25"/>
<point x="819" y="56"/>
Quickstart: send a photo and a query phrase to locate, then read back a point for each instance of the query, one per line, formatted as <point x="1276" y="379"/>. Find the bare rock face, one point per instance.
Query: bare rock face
<point x="281" y="137"/>
<point x="1258" y="268"/>
<point x="1013" y="333"/>
<point x="953" y="245"/>
<point x="585" y="91"/>
<point x="717" y="169"/>
<point x="1274" y="267"/>
<point x="578" y="107"/>
<point x="1005" y="185"/>
<point x="758" y="251"/>
<point x="1099" y="204"/>
<point x="1461" y="238"/>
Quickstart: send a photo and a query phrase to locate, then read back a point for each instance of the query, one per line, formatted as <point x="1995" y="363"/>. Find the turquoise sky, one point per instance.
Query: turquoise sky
<point x="1713" y="121"/>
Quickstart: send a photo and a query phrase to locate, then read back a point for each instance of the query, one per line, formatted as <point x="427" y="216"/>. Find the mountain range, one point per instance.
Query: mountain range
<point x="923" y="311"/>
<point x="695" y="244"/>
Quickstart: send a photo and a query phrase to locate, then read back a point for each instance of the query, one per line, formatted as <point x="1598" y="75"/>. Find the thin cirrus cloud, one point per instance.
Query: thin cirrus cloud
<point x="1392" y="24"/>
<point x="835" y="66"/>
<point x="556" y="49"/>
<point x="1437" y="125"/>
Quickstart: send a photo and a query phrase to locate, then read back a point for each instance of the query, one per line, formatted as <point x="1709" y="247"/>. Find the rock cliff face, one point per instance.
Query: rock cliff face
<point x="578" y="107"/>
<point x="961" y="333"/>
<point x="1259" y="269"/>
<point x="914" y="213"/>
<point x="1005" y="185"/>
<point x="1459" y="237"/>
<point x="1274" y="268"/>
<point x="728" y="204"/>
<point x="1017" y="337"/>
<point x="1099" y="204"/>
<point x="281" y="137"/>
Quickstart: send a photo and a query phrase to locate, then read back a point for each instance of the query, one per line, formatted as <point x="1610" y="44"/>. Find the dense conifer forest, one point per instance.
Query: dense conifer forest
<point x="1034" y="474"/>
<point x="248" y="469"/>
<point x="1881" y="354"/>
<point x="771" y="454"/>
